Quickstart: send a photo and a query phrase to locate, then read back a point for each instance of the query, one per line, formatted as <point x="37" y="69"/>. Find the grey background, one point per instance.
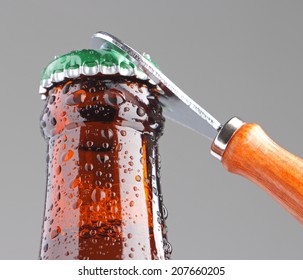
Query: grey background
<point x="239" y="58"/>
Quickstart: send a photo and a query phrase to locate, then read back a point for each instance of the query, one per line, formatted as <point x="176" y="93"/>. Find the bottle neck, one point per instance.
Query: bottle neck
<point x="103" y="198"/>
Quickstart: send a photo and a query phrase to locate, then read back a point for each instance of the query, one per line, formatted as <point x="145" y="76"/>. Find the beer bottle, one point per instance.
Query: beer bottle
<point x="102" y="122"/>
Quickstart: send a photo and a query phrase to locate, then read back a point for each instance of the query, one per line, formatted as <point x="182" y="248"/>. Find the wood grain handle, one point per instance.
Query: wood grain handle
<point x="253" y="155"/>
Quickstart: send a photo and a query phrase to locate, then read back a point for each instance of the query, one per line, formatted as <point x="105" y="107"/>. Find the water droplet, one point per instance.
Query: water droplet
<point x="88" y="166"/>
<point x="94" y="208"/>
<point x="138" y="178"/>
<point x="76" y="98"/>
<point x="55" y="232"/>
<point x="45" y="248"/>
<point x="131" y="204"/>
<point x="131" y="255"/>
<point x="58" y="170"/>
<point x="167" y="247"/>
<point x="76" y="182"/>
<point x="155" y="191"/>
<point x="102" y="159"/>
<point x="129" y="236"/>
<point x="108" y="185"/>
<point x="95" y="98"/>
<point x="98" y="183"/>
<point x="123" y="132"/>
<point x="53" y="121"/>
<point x="97" y="195"/>
<point x="165" y="212"/>
<point x="89" y="143"/>
<point x="107" y="133"/>
<point x="43" y="124"/>
<point x="154" y="126"/>
<point x="114" y="209"/>
<point x="119" y="147"/>
<point x="113" y="97"/>
<point x="92" y="90"/>
<point x="93" y="232"/>
<point x="52" y="99"/>
<point x="77" y="204"/>
<point x="99" y="173"/>
<point x="140" y="111"/>
<point x="105" y="145"/>
<point x="68" y="155"/>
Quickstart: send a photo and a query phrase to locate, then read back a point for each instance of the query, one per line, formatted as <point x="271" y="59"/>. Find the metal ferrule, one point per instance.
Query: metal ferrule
<point x="224" y="136"/>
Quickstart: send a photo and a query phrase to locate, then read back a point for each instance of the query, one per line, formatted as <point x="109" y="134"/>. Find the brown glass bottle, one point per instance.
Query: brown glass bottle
<point x="103" y="197"/>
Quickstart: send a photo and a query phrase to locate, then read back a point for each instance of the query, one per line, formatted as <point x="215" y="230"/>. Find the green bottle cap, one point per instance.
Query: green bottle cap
<point x="89" y="62"/>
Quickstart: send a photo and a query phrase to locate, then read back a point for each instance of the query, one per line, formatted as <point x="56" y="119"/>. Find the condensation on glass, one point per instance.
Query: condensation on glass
<point x="103" y="198"/>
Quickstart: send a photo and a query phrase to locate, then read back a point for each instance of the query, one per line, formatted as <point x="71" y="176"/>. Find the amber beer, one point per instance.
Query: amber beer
<point x="102" y="122"/>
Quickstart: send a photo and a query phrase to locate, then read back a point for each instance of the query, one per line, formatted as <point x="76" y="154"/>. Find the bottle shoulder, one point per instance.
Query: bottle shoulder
<point x="100" y="98"/>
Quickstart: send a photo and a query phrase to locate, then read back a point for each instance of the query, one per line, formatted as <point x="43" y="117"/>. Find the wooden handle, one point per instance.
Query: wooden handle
<point x="253" y="155"/>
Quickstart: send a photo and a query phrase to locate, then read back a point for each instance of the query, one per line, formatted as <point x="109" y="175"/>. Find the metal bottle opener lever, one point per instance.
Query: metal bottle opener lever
<point x="243" y="149"/>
